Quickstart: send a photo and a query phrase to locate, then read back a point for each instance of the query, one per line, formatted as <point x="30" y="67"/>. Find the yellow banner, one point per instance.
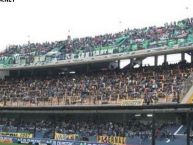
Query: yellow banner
<point x="137" y="102"/>
<point x="19" y="135"/>
<point x="6" y="141"/>
<point x="111" y="140"/>
<point x="61" y="136"/>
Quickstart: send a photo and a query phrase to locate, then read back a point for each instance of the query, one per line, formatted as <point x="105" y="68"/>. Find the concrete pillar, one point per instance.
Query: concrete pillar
<point x="131" y="62"/>
<point x="192" y="57"/>
<point x="156" y="60"/>
<point x="87" y="68"/>
<point x="188" y="128"/>
<point x="182" y="56"/>
<point x="119" y="63"/>
<point x="153" y="130"/>
<point x="165" y="58"/>
<point x="141" y="63"/>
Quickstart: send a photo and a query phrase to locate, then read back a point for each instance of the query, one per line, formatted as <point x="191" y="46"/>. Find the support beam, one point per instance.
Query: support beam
<point x="141" y="64"/>
<point x="165" y="58"/>
<point x="34" y="132"/>
<point x="131" y="62"/>
<point x="188" y="127"/>
<point x="153" y="129"/>
<point x="182" y="56"/>
<point x="192" y="57"/>
<point x="54" y="126"/>
<point x="87" y="68"/>
<point x="119" y="64"/>
<point x="156" y="60"/>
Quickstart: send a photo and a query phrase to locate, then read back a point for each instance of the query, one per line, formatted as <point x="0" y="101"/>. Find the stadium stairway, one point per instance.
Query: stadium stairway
<point x="188" y="99"/>
<point x="187" y="92"/>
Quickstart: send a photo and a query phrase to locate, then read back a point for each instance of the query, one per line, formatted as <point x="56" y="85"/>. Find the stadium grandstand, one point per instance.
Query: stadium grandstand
<point x="103" y="82"/>
<point x="74" y="91"/>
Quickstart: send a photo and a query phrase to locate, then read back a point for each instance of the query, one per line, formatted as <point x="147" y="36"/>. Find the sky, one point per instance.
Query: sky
<point x="53" y="20"/>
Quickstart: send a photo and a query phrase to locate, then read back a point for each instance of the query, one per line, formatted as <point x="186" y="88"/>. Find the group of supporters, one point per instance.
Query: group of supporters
<point x="152" y="84"/>
<point x="177" y="33"/>
<point x="131" y="129"/>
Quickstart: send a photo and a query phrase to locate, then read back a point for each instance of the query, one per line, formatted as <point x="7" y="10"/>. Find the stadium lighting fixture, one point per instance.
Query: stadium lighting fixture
<point x="137" y="115"/>
<point x="72" y="72"/>
<point x="149" y="115"/>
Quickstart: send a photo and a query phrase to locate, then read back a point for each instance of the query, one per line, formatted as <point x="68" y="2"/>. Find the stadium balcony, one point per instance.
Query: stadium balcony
<point x="174" y="36"/>
<point x="156" y="129"/>
<point x="137" y="86"/>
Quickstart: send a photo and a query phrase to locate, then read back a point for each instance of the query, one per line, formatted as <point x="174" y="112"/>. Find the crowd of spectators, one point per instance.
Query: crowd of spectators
<point x="166" y="130"/>
<point x="41" y="128"/>
<point x="130" y="128"/>
<point x="150" y="83"/>
<point x="81" y="128"/>
<point x="149" y="37"/>
<point x="133" y="128"/>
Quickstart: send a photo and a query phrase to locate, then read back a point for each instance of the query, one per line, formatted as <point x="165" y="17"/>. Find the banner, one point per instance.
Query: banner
<point x="111" y="139"/>
<point x="137" y="102"/>
<point x="60" y="136"/>
<point x="1" y="105"/>
<point x="6" y="140"/>
<point x="55" y="142"/>
<point x="9" y="139"/>
<point x="18" y="135"/>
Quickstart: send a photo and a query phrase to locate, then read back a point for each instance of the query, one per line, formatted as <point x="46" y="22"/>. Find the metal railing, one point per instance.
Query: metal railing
<point x="56" y="101"/>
